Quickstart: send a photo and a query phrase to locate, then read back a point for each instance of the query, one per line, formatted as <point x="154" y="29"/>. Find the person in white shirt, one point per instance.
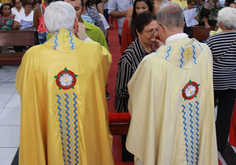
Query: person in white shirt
<point x="105" y="23"/>
<point x="118" y="9"/>
<point x="18" y="7"/>
<point x="24" y="20"/>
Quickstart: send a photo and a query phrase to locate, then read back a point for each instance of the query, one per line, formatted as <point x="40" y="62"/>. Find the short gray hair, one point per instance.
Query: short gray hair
<point x="227" y="16"/>
<point x="170" y="15"/>
<point x="59" y="15"/>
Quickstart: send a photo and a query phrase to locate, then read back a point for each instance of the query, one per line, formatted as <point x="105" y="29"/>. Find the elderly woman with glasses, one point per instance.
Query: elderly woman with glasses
<point x="146" y="32"/>
<point x="27" y="16"/>
<point x="18" y="7"/>
<point x="145" y="26"/>
<point x="223" y="47"/>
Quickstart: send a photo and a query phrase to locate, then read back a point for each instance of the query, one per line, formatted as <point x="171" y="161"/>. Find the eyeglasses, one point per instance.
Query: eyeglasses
<point x="151" y="31"/>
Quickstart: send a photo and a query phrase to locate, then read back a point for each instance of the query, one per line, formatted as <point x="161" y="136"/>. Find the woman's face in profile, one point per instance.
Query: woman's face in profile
<point x="141" y="6"/>
<point x="6" y="10"/>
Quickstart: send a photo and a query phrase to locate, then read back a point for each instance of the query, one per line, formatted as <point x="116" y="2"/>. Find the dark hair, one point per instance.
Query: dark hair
<point x="233" y="3"/>
<point x="27" y="2"/>
<point x="14" y="1"/>
<point x="5" y="4"/>
<point x="82" y="2"/>
<point x="142" y="20"/>
<point x="87" y="4"/>
<point x="189" y="1"/>
<point x="228" y="2"/>
<point x="34" y="2"/>
<point x="150" y="8"/>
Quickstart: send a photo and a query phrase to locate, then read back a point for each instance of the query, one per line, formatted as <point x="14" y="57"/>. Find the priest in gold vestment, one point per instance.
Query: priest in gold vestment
<point x="171" y="99"/>
<point x="64" y="116"/>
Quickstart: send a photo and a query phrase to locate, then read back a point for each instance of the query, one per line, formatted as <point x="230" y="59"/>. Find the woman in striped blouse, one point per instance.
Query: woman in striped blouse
<point x="223" y="47"/>
<point x="146" y="31"/>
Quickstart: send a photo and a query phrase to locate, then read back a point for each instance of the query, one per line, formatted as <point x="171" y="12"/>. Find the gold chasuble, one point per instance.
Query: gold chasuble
<point x="64" y="116"/>
<point x="172" y="107"/>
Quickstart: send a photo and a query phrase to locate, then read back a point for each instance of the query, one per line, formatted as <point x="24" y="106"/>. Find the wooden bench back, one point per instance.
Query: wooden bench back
<point x="17" y="38"/>
<point x="119" y="123"/>
<point x="200" y="33"/>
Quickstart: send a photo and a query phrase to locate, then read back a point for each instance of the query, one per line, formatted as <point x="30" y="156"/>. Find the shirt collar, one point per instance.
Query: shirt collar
<point x="86" y="24"/>
<point x="175" y="36"/>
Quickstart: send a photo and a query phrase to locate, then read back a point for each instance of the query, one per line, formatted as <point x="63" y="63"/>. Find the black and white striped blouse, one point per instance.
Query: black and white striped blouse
<point x="223" y="48"/>
<point x="128" y="64"/>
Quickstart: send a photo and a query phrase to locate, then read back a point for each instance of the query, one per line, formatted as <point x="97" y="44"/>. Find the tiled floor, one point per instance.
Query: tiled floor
<point x="10" y="116"/>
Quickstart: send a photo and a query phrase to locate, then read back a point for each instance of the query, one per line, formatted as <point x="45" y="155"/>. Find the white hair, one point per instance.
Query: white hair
<point x="170" y="15"/>
<point x="227" y="16"/>
<point x="59" y="15"/>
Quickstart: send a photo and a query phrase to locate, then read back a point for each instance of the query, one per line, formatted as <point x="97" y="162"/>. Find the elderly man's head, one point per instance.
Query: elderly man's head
<point x="170" y="20"/>
<point x="60" y="15"/>
<point x="227" y="18"/>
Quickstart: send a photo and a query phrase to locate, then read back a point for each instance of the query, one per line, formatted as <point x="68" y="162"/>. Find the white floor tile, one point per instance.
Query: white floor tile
<point x="7" y="88"/>
<point x="1" y="71"/>
<point x="12" y="68"/>
<point x="4" y="99"/>
<point x="8" y="75"/>
<point x="10" y="136"/>
<point x="10" y="116"/>
<point x="7" y="155"/>
<point x="14" y="101"/>
<point x="215" y="110"/>
<point x="16" y="92"/>
<point x="7" y="80"/>
<point x="221" y="159"/>
<point x="234" y="148"/>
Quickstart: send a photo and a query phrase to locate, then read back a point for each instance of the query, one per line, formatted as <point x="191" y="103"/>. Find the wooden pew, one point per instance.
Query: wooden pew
<point x="200" y="33"/>
<point x="15" y="38"/>
<point x="119" y="123"/>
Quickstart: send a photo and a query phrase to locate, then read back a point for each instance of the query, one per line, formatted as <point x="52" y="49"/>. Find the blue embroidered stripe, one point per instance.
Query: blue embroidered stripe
<point x="181" y="59"/>
<point x="68" y="123"/>
<point x="191" y="131"/>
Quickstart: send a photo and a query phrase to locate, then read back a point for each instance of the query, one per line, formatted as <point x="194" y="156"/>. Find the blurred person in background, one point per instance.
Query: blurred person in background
<point x="6" y="18"/>
<point x="18" y="7"/>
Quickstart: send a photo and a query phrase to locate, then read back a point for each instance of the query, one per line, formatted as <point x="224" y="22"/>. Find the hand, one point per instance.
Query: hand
<point x="207" y="26"/>
<point x="196" y="17"/>
<point x="124" y="13"/>
<point x="81" y="32"/>
<point x="16" y="25"/>
<point x="156" y="44"/>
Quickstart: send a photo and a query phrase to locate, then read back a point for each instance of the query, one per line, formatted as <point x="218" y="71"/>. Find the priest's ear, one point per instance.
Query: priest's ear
<point x="75" y="27"/>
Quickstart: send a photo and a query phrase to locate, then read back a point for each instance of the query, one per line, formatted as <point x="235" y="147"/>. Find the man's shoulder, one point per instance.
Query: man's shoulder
<point x="90" y="28"/>
<point x="154" y="59"/>
<point x="35" y="52"/>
